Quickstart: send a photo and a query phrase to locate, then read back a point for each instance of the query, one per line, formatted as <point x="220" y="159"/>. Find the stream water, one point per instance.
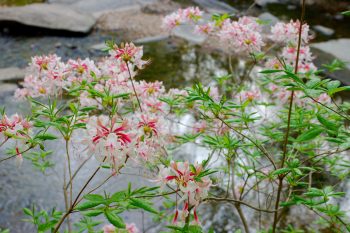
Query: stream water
<point x="175" y="62"/>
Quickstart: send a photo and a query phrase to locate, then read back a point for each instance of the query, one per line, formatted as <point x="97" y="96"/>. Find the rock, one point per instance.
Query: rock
<point x="58" y="45"/>
<point x="339" y="48"/>
<point x="98" y="6"/>
<point x="7" y="88"/>
<point x="265" y="2"/>
<point x="150" y="39"/>
<point x="71" y="46"/>
<point x="11" y="74"/>
<point x="99" y="47"/>
<point x="324" y="30"/>
<point x="339" y="17"/>
<point x="161" y="7"/>
<point x="326" y="52"/>
<point x="133" y="24"/>
<point x="48" y="16"/>
<point x="187" y="32"/>
<point x="215" y="6"/>
<point x="270" y="20"/>
<point x="291" y="7"/>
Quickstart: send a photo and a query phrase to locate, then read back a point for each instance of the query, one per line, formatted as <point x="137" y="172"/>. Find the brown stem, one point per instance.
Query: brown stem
<point x="133" y="86"/>
<point x="65" y="193"/>
<point x="240" y="202"/>
<point x="237" y="204"/>
<point x="12" y="156"/>
<point x="285" y="144"/>
<point x="77" y="171"/>
<point x="261" y="148"/>
<point x="76" y="199"/>
<point x="69" y="173"/>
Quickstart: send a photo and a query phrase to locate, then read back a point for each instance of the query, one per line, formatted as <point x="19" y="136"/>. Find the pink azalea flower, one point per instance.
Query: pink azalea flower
<point x="289" y="32"/>
<point x="148" y="125"/>
<point x="182" y="177"/>
<point x="109" y="229"/>
<point x="131" y="228"/>
<point x="129" y="53"/>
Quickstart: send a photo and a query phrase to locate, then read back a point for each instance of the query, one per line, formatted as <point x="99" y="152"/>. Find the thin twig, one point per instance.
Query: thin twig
<point x="285" y="144"/>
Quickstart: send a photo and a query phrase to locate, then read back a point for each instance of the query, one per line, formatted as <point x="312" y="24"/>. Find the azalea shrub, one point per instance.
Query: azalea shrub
<point x="269" y="145"/>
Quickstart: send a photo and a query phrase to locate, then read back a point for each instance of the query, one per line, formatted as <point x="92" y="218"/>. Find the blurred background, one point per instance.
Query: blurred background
<point x="79" y="28"/>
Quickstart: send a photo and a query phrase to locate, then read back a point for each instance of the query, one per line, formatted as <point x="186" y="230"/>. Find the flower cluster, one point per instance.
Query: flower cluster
<point x="129" y="53"/>
<point x="286" y="33"/>
<point x="45" y="76"/>
<point x="181" y="16"/>
<point x="187" y="180"/>
<point x="13" y="126"/>
<point x="17" y="128"/>
<point x="305" y="63"/>
<point x="243" y="36"/>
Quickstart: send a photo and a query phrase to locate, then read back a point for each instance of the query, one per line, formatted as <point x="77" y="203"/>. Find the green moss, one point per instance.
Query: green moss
<point x="19" y="2"/>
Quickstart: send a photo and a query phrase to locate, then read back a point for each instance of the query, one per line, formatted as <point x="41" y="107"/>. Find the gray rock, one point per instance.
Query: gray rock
<point x="11" y="74"/>
<point x="339" y="48"/>
<point x="324" y="30"/>
<point x="99" y="46"/>
<point x="291" y="7"/>
<point x="187" y="32"/>
<point x="215" y="6"/>
<point x="96" y="6"/>
<point x="265" y="2"/>
<point x="270" y="21"/>
<point x="49" y="16"/>
<point x="326" y="52"/>
<point x="151" y="39"/>
<point x="266" y="16"/>
<point x="7" y="88"/>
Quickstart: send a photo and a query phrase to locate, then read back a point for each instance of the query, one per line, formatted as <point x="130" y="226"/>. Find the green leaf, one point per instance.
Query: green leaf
<point x="87" y="205"/>
<point x="309" y="135"/>
<point x="46" y="136"/>
<point x="339" y="89"/>
<point x="326" y="123"/>
<point x="281" y="171"/>
<point x="293" y="76"/>
<point x="88" y="109"/>
<point x="270" y="71"/>
<point x="346" y="13"/>
<point x="118" y="196"/>
<point x="94" y="198"/>
<point x="333" y="84"/>
<point x="143" y="204"/>
<point x="27" y="211"/>
<point x="114" y="219"/>
<point x="92" y="213"/>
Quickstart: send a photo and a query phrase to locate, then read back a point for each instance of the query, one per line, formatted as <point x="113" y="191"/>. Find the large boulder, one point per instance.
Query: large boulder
<point x="99" y="6"/>
<point x="326" y="52"/>
<point x="215" y="6"/>
<point x="48" y="16"/>
<point x="11" y="74"/>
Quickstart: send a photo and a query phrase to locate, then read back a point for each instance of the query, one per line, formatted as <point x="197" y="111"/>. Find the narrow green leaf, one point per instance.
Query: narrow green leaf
<point x="143" y="204"/>
<point x="270" y="71"/>
<point x="346" y="13"/>
<point x="87" y="205"/>
<point x="309" y="135"/>
<point x="46" y="136"/>
<point x="326" y="123"/>
<point x="114" y="219"/>
<point x="92" y="213"/>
